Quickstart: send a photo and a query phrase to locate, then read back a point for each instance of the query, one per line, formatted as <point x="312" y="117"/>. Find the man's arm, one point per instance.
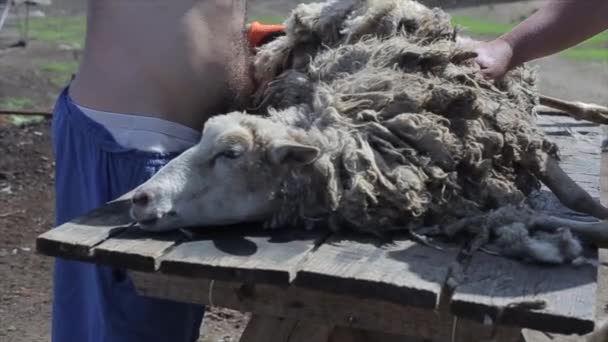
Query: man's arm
<point x="558" y="25"/>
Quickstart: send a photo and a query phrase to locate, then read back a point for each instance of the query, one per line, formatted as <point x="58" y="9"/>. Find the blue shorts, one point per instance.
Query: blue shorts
<point x="93" y="303"/>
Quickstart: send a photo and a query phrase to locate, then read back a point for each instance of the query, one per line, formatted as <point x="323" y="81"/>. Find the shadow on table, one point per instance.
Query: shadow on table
<point x="249" y="239"/>
<point x="110" y="214"/>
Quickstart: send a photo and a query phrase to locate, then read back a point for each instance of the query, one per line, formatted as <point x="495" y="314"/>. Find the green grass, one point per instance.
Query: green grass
<point x="60" y="67"/>
<point x="480" y="27"/>
<point x="15" y="103"/>
<point x="59" y="72"/>
<point x="62" y="30"/>
<point x="19" y="103"/>
<point x="597" y="40"/>
<point x="587" y="53"/>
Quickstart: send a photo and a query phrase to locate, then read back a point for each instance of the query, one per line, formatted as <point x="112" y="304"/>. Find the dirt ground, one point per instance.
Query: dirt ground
<point x="26" y="199"/>
<point x="26" y="169"/>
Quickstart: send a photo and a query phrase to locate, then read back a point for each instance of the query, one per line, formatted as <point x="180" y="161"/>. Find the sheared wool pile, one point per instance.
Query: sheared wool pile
<point x="414" y="138"/>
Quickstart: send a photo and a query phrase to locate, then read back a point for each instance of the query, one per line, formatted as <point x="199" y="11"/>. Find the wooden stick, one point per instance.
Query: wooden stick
<point x="25" y="112"/>
<point x="578" y="110"/>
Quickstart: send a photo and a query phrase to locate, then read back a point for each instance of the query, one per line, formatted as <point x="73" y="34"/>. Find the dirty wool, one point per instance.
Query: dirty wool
<point x="413" y="138"/>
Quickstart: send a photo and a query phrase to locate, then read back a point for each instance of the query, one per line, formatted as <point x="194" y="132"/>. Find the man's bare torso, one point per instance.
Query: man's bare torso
<point x="180" y="60"/>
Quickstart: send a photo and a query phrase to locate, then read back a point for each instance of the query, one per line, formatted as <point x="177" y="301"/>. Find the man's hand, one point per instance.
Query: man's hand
<point x="495" y="58"/>
<point x="556" y="26"/>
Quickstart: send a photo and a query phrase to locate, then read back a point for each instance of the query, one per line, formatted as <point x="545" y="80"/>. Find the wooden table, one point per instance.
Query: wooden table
<point x="315" y="286"/>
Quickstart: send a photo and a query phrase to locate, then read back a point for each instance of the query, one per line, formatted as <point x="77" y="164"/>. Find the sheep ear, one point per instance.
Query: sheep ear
<point x="292" y="153"/>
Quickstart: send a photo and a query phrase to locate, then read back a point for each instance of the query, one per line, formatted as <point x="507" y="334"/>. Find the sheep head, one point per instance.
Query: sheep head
<point x="233" y="175"/>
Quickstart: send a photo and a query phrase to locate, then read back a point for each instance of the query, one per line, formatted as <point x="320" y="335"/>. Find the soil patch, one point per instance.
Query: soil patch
<point x="26" y="199"/>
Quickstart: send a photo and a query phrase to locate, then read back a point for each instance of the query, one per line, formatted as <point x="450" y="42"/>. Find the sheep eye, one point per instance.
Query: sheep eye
<point x="231" y="154"/>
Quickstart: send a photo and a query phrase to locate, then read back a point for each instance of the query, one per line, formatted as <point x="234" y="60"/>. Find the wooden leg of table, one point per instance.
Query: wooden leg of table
<point x="267" y="328"/>
<point x="507" y="334"/>
<point x="306" y="331"/>
<point x="274" y="329"/>
<point x="344" y="334"/>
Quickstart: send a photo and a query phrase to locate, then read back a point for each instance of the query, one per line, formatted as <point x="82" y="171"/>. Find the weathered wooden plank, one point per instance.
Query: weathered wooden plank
<point x="601" y="315"/>
<point x="601" y="295"/>
<point x="581" y="163"/>
<point x="242" y="254"/>
<point x="501" y="289"/>
<point x="558" y="118"/>
<point x="400" y="272"/>
<point x="506" y="291"/>
<point x="75" y="239"/>
<point x="579" y="145"/>
<point x="604" y="192"/>
<point x="135" y="250"/>
<point x="304" y="304"/>
<point x="277" y="329"/>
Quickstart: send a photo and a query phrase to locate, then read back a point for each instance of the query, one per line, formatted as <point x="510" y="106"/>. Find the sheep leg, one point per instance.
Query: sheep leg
<point x="568" y="192"/>
<point x="600" y="334"/>
<point x="578" y="110"/>
<point x="589" y="231"/>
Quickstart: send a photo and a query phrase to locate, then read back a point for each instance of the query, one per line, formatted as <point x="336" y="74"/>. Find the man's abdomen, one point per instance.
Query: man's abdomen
<point x="182" y="60"/>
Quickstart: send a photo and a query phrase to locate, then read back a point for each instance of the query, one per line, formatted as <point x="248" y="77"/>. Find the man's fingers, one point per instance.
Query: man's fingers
<point x="489" y="68"/>
<point x="462" y="56"/>
<point x="491" y="73"/>
<point x="486" y="74"/>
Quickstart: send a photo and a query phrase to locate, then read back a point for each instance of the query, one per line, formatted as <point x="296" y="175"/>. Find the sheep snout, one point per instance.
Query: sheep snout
<point x="141" y="198"/>
<point x="150" y="211"/>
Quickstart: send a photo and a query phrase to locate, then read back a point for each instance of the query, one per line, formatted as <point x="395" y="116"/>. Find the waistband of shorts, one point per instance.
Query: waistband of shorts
<point x="66" y="109"/>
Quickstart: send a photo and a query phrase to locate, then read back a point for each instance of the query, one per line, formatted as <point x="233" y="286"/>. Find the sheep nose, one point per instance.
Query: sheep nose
<point x="141" y="198"/>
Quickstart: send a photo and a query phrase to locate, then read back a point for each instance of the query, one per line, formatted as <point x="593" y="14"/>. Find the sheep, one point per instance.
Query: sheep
<point x="371" y="116"/>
